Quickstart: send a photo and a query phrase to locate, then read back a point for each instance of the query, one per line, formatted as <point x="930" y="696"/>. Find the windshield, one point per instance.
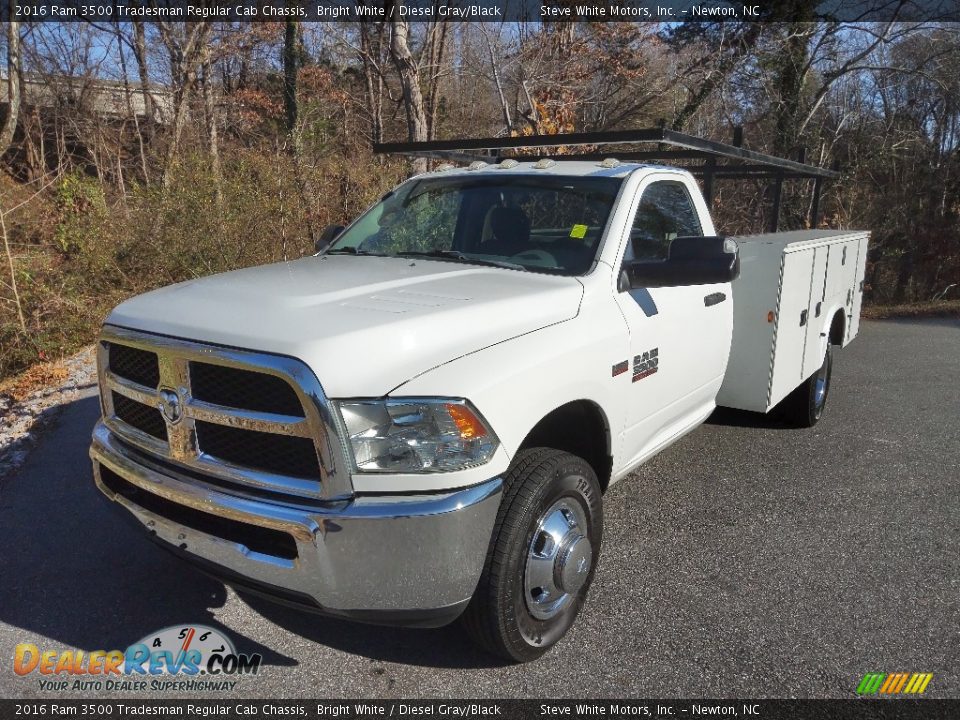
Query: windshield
<point x="524" y="222"/>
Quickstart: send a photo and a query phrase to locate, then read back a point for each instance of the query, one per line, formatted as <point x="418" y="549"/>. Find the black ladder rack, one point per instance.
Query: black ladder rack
<point x="719" y="161"/>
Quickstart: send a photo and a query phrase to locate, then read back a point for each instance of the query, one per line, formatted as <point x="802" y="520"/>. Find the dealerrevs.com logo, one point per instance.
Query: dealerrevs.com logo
<point x="171" y="659"/>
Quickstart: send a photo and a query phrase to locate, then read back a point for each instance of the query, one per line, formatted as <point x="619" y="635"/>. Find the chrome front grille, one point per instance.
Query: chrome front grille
<point x="235" y="388"/>
<point x="281" y="454"/>
<point x="139" y="366"/>
<point x="141" y="417"/>
<point x="257" y="420"/>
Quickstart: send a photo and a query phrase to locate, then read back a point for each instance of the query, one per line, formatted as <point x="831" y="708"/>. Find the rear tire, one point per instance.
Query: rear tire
<point x="804" y="406"/>
<point x="542" y="556"/>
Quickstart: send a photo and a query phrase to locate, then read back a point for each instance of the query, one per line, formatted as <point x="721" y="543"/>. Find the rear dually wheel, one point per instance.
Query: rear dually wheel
<point x="804" y="406"/>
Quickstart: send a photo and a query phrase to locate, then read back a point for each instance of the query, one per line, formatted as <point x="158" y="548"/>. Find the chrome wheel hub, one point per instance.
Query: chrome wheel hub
<point x="558" y="559"/>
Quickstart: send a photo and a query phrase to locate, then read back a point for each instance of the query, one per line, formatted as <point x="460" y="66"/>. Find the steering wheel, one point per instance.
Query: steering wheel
<point x="536" y="254"/>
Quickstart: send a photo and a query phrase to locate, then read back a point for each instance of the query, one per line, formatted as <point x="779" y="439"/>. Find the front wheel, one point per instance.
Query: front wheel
<point x="805" y="405"/>
<point x="542" y="555"/>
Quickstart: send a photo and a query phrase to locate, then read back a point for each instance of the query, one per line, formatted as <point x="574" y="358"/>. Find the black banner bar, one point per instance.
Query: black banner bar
<point x="670" y="709"/>
<point x="482" y="10"/>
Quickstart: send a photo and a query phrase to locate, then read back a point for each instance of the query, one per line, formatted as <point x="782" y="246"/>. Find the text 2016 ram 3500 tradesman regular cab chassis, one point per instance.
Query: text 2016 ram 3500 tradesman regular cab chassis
<point x="418" y="423"/>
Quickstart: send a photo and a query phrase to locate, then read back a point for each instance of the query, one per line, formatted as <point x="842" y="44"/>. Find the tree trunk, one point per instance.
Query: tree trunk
<point x="789" y="80"/>
<point x="435" y="50"/>
<point x="210" y="115"/>
<point x="719" y="69"/>
<point x="497" y="81"/>
<point x="131" y="111"/>
<point x="904" y="275"/>
<point x="33" y="139"/>
<point x="210" y="110"/>
<point x="140" y="53"/>
<point x="290" y="76"/>
<point x="410" y="85"/>
<point x="184" y="59"/>
<point x="13" y="81"/>
<point x="373" y="79"/>
<point x="291" y="65"/>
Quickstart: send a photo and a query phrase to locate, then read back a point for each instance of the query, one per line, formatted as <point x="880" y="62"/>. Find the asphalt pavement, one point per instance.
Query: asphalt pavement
<point x="747" y="560"/>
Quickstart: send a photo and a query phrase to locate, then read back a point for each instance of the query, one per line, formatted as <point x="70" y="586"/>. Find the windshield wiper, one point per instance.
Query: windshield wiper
<point x="352" y="250"/>
<point x="458" y="256"/>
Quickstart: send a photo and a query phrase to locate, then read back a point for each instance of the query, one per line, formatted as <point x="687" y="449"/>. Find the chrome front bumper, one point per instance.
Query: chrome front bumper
<point x="398" y="559"/>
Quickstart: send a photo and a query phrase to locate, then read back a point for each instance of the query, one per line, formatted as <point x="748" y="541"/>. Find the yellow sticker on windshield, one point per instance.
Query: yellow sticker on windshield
<point x="578" y="231"/>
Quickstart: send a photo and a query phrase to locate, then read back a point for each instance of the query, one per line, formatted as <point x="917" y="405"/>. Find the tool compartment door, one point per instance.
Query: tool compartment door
<point x="841" y="262"/>
<point x="853" y="325"/>
<point x="793" y="317"/>
<point x="814" y="345"/>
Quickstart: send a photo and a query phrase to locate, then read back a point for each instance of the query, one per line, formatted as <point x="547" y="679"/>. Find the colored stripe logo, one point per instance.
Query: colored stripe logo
<point x="894" y="683"/>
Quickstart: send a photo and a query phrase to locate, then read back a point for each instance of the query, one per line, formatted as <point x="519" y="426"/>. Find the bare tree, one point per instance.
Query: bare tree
<point x="497" y="79"/>
<point x="210" y="114"/>
<point x="417" y="126"/>
<point x="131" y="112"/>
<point x="292" y="59"/>
<point x="13" y="80"/>
<point x="433" y="60"/>
<point x="371" y="52"/>
<point x="724" y="51"/>
<point x="140" y="53"/>
<point x="291" y="66"/>
<point x="185" y="45"/>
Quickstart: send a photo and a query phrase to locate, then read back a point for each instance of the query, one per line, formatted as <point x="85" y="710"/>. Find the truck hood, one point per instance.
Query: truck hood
<point x="364" y="324"/>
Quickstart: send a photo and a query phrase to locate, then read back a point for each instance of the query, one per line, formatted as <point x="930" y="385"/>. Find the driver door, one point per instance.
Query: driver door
<point x="679" y="336"/>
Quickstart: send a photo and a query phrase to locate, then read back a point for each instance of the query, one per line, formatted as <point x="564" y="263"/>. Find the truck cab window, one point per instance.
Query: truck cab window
<point x="426" y="221"/>
<point x="665" y="212"/>
<point x="540" y="223"/>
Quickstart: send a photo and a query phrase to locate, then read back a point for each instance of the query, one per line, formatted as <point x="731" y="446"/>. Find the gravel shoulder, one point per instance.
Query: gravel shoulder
<point x="25" y="412"/>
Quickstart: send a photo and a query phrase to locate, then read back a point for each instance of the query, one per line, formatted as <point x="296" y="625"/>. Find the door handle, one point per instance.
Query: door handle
<point x="714" y="299"/>
<point x="803" y="318"/>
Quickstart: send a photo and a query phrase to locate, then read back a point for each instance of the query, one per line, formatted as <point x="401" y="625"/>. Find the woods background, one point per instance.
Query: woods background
<point x="135" y="155"/>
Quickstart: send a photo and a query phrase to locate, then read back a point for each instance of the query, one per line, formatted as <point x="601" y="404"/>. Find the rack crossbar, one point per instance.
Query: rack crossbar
<point x="693" y="148"/>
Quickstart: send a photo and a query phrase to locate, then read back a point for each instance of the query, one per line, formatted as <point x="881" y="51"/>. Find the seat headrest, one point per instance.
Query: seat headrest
<point x="510" y="224"/>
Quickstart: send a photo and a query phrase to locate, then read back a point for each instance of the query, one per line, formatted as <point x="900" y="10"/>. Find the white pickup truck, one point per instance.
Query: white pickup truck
<point x="419" y="422"/>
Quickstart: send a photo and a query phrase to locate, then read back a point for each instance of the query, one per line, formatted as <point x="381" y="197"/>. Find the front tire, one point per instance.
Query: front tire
<point x="542" y="556"/>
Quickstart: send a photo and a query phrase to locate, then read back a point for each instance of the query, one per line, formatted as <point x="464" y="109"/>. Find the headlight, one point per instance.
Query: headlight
<point x="416" y="435"/>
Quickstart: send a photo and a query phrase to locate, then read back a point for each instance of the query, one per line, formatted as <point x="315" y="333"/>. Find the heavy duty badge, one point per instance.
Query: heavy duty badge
<point x="645" y="364"/>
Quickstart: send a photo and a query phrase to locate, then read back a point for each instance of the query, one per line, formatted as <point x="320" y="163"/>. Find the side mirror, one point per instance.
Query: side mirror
<point x="690" y="261"/>
<point x="329" y="234"/>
